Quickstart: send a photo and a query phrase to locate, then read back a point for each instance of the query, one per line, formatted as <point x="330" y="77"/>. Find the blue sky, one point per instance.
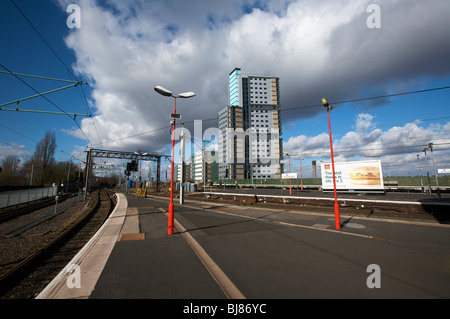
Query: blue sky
<point x="317" y="48"/>
<point x="23" y="51"/>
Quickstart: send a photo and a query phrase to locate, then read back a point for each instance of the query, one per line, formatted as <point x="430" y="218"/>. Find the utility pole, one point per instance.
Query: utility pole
<point x="430" y="146"/>
<point x="68" y="173"/>
<point x="158" y="173"/>
<point x="88" y="168"/>
<point x="428" y="171"/>
<point x="205" y="168"/>
<point x="182" y="165"/>
<point x="12" y="171"/>
<point x="420" y="171"/>
<point x="31" y="178"/>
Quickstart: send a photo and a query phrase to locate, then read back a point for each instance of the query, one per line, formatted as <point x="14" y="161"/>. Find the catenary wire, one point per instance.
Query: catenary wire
<point x="85" y="102"/>
<point x="43" y="96"/>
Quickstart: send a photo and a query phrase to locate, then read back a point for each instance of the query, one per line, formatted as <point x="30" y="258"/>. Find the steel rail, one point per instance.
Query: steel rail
<point x="7" y="277"/>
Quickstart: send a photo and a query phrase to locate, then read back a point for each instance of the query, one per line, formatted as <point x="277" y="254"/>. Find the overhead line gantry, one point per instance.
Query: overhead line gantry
<point x="91" y="153"/>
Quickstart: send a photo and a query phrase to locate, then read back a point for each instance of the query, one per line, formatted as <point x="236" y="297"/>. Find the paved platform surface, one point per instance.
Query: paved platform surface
<point x="388" y="196"/>
<point x="265" y="253"/>
<point x="156" y="265"/>
<point x="132" y="256"/>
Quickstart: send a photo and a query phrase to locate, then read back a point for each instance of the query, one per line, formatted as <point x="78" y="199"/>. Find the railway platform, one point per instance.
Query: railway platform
<point x="133" y="257"/>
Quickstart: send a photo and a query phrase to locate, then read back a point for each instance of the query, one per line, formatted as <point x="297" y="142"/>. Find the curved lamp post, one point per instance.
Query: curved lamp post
<point x="336" y="206"/>
<point x="186" y="95"/>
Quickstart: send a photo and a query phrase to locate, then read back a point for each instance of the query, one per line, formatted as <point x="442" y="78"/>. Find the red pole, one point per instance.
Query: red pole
<point x="301" y="174"/>
<point x="336" y="206"/>
<point x="290" y="186"/>
<point x="171" y="207"/>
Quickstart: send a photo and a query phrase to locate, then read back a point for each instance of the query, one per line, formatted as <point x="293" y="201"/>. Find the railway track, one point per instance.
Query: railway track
<point x="27" y="278"/>
<point x="23" y="209"/>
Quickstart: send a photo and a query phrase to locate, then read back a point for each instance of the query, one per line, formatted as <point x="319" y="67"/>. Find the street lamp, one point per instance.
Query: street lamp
<point x="428" y="171"/>
<point x="290" y="186"/>
<point x="186" y="95"/>
<point x="336" y="206"/>
<point x="430" y="146"/>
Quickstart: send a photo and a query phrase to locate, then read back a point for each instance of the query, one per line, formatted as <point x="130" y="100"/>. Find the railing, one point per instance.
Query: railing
<point x="12" y="198"/>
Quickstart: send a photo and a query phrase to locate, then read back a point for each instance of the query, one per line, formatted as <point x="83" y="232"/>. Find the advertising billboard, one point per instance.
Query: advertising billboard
<point x="360" y="175"/>
<point x="289" y="176"/>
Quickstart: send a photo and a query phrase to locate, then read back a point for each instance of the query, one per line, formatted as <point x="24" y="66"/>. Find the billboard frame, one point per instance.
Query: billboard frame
<point x="351" y="176"/>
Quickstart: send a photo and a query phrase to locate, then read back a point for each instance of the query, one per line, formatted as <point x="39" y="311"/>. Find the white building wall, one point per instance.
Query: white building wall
<point x="198" y="160"/>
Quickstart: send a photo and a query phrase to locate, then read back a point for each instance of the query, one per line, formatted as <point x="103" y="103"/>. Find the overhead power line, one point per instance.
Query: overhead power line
<point x="43" y="39"/>
<point x="74" y="84"/>
<point x="315" y="105"/>
<point x="369" y="98"/>
<point x="359" y="151"/>
<point x="42" y="77"/>
<point x="17" y="147"/>
<point x="64" y="112"/>
<point x="85" y="102"/>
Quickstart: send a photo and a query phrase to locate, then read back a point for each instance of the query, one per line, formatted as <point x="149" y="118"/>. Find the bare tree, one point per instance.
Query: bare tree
<point x="7" y="165"/>
<point x="44" y="158"/>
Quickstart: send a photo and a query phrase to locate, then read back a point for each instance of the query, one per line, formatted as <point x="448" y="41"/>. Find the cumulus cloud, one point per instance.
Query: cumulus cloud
<point x="125" y="48"/>
<point x="396" y="147"/>
<point x="14" y="149"/>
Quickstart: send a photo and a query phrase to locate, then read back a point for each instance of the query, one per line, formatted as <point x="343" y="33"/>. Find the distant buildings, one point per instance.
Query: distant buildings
<point x="199" y="168"/>
<point x="249" y="143"/>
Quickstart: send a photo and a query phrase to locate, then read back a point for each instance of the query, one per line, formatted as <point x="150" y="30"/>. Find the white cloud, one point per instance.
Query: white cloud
<point x="396" y="147"/>
<point x="363" y="122"/>
<point x="125" y="48"/>
<point x="16" y="150"/>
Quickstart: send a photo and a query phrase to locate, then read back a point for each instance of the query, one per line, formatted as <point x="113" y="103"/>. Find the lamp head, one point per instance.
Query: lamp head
<point x="326" y="104"/>
<point x="186" y="95"/>
<point x="163" y="91"/>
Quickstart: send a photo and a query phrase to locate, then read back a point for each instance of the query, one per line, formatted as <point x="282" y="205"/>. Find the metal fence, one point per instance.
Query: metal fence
<point x="12" y="198"/>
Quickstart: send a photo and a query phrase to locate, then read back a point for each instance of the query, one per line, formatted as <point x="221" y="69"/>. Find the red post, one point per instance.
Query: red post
<point x="171" y="206"/>
<point x="186" y="95"/>
<point x="336" y="206"/>
<point x="290" y="186"/>
<point x="301" y="175"/>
